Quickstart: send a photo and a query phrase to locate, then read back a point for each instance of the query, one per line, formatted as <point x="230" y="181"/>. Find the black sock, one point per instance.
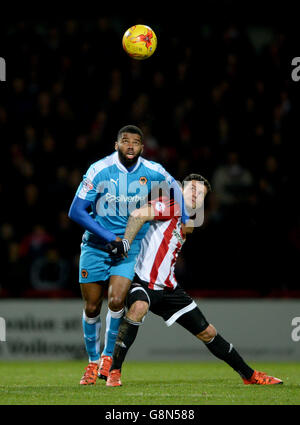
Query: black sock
<point x="126" y="336"/>
<point x="225" y="351"/>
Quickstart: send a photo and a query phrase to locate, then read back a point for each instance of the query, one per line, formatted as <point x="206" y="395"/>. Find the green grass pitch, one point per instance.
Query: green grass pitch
<point x="189" y="383"/>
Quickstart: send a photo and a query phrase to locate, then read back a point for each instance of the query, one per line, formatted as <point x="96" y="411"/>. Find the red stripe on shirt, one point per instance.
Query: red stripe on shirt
<point x="162" y="251"/>
<point x="168" y="282"/>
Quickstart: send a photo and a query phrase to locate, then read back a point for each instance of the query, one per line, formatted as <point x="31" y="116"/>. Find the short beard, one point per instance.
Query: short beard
<point x="127" y="162"/>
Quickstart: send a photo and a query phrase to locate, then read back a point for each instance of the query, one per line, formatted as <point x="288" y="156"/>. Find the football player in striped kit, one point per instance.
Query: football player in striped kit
<point x="155" y="287"/>
<point x="112" y="188"/>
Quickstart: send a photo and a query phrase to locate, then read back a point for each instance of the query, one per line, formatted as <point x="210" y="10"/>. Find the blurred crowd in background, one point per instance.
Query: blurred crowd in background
<point x="216" y="100"/>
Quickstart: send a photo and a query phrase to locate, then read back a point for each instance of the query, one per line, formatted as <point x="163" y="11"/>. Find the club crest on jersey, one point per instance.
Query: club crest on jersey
<point x="160" y="206"/>
<point x="87" y="185"/>
<point x="143" y="180"/>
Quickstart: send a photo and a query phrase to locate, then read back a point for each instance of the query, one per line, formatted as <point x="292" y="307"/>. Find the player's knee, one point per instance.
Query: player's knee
<point x="92" y="309"/>
<point x="138" y="310"/>
<point x="116" y="303"/>
<point x="208" y="333"/>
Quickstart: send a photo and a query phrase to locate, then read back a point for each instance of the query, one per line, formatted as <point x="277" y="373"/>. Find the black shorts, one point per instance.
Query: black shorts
<point x="172" y="305"/>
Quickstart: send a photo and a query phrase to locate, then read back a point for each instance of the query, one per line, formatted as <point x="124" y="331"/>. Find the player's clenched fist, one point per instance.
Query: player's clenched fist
<point x="118" y="248"/>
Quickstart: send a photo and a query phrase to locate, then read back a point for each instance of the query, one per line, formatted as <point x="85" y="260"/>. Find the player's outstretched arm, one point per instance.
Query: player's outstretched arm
<point x="136" y="220"/>
<point x="78" y="213"/>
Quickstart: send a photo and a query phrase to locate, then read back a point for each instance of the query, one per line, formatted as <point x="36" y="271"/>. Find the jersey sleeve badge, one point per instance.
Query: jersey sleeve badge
<point x="165" y="208"/>
<point x="87" y="185"/>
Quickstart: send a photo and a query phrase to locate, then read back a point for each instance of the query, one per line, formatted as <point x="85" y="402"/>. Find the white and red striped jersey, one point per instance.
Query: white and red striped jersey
<point x="160" y="246"/>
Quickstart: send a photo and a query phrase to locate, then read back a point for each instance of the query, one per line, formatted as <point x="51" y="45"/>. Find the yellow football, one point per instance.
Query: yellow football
<point x="139" y="42"/>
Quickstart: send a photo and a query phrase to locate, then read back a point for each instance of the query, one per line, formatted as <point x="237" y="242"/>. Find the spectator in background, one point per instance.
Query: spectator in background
<point x="49" y="271"/>
<point x="15" y="277"/>
<point x="35" y="243"/>
<point x="151" y="146"/>
<point x="65" y="237"/>
<point x="7" y="236"/>
<point x="232" y="182"/>
<point x="271" y="179"/>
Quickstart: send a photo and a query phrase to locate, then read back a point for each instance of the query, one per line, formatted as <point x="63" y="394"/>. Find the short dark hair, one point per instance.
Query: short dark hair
<point x="199" y="178"/>
<point x="130" y="129"/>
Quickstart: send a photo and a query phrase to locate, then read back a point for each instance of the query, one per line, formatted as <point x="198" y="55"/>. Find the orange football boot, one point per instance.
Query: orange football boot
<point x="114" y="378"/>
<point x="261" y="378"/>
<point x="90" y="375"/>
<point x="105" y="364"/>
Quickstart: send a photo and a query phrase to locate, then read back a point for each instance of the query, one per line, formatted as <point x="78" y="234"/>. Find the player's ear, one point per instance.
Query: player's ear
<point x="116" y="146"/>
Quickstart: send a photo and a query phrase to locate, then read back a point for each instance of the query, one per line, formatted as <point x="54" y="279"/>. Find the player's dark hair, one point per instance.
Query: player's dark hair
<point x="199" y="178"/>
<point x="130" y="129"/>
